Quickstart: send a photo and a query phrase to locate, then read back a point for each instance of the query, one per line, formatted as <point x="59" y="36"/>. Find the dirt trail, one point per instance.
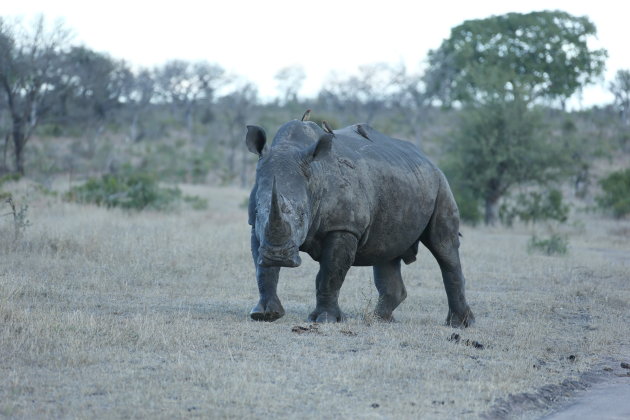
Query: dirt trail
<point x="600" y="394"/>
<point x="603" y="401"/>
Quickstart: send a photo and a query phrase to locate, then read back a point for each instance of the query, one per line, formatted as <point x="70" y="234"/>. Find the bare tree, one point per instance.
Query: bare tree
<point x="237" y="108"/>
<point x="362" y="95"/>
<point x="188" y="86"/>
<point x="141" y="95"/>
<point x="30" y="70"/>
<point x="410" y="100"/>
<point x="290" y="80"/>
<point x="620" y="87"/>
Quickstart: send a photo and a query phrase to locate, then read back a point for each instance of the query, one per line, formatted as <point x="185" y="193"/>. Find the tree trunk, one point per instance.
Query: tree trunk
<point x="4" y="167"/>
<point x="189" y="124"/>
<point x="19" y="139"/>
<point x="492" y="211"/>
<point x="133" y="129"/>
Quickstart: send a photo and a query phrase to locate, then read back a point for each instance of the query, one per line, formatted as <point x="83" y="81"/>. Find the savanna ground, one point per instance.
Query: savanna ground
<point x="109" y="314"/>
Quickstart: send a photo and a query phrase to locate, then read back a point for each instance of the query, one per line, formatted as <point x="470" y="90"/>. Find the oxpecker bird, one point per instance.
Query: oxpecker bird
<point x="327" y="128"/>
<point x="306" y="115"/>
<point x="362" y="132"/>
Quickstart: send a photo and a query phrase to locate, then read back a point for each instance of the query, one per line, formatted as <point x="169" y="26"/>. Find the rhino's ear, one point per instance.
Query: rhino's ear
<point x="319" y="150"/>
<point x="255" y="139"/>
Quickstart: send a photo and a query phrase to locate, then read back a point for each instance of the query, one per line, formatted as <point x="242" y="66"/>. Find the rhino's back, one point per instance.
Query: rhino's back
<point x="397" y="187"/>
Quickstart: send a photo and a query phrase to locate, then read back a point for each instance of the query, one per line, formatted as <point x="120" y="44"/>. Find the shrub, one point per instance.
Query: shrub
<point x="616" y="193"/>
<point x="536" y="207"/>
<point x="136" y="191"/>
<point x="556" y="244"/>
<point x="18" y="213"/>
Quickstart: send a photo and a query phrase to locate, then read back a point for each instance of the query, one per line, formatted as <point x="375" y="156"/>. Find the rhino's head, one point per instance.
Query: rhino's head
<point x="282" y="202"/>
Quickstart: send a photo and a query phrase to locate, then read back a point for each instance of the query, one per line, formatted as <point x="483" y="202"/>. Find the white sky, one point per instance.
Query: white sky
<point x="255" y="39"/>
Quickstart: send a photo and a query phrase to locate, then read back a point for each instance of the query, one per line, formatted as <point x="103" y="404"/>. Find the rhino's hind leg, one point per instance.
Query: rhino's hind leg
<point x="441" y="237"/>
<point x="336" y="259"/>
<point x="390" y="288"/>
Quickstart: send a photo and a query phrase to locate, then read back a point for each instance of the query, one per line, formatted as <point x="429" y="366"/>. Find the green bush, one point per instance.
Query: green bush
<point x="136" y="191"/>
<point x="469" y="206"/>
<point x="616" y="193"/>
<point x="535" y="207"/>
<point x="556" y="244"/>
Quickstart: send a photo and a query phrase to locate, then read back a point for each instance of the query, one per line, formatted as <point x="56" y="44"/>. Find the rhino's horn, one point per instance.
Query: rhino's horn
<point x="278" y="230"/>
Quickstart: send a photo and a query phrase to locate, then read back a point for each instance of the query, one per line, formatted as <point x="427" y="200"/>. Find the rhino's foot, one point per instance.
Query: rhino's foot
<point x="268" y="310"/>
<point x="328" y="314"/>
<point x="463" y="319"/>
<point x="384" y="317"/>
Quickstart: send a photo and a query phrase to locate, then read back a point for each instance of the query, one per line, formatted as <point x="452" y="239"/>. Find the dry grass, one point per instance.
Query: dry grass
<point x="105" y="314"/>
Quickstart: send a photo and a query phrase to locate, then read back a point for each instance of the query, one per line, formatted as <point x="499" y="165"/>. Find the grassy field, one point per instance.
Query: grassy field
<point x="107" y="314"/>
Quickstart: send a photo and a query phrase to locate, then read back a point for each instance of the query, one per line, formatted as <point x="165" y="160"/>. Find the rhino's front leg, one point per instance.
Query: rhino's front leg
<point x="269" y="307"/>
<point x="337" y="256"/>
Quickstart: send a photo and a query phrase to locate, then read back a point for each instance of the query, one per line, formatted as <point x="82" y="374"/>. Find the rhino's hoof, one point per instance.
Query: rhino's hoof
<point x="463" y="319"/>
<point x="327" y="316"/>
<point x="268" y="313"/>
<point x="384" y="317"/>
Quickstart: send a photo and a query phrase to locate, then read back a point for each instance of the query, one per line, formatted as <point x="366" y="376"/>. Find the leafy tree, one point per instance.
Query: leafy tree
<point x="497" y="69"/>
<point x="616" y="193"/>
<point x="500" y="145"/>
<point x="97" y="83"/>
<point x="96" y="88"/>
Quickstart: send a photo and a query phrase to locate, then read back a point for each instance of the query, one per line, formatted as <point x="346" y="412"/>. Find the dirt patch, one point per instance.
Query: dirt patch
<point x="552" y="399"/>
<point x="456" y="338"/>
<point x="313" y="328"/>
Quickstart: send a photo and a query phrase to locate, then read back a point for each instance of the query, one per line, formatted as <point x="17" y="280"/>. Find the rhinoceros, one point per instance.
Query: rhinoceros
<point x="349" y="197"/>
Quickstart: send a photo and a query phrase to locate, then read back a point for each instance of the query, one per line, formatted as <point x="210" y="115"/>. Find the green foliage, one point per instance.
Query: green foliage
<point x="556" y="244"/>
<point x="9" y="177"/>
<point x="616" y="193"/>
<point x="135" y="191"/>
<point x="536" y="207"/>
<point x="197" y="203"/>
<point x="499" y="145"/>
<point x="178" y="162"/>
<point x="6" y="196"/>
<point x="497" y="68"/>
<point x="468" y="204"/>
<point x="539" y="54"/>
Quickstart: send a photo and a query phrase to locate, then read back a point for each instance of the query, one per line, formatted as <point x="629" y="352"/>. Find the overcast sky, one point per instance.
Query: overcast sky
<point x="257" y="38"/>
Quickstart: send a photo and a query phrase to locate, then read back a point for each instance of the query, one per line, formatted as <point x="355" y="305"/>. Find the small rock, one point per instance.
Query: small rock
<point x="625" y="365"/>
<point x="607" y="369"/>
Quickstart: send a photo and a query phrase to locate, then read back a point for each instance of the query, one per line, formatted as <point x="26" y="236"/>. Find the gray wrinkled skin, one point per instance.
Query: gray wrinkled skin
<point x="357" y="198"/>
